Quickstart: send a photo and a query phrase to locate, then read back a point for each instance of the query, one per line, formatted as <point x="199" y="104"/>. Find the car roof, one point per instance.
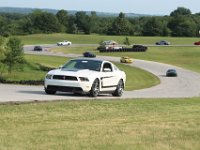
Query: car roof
<point x="171" y="70"/>
<point x="95" y="59"/>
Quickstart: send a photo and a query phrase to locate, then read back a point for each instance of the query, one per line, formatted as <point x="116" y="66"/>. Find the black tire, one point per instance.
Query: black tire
<point x="77" y="94"/>
<point x="94" y="92"/>
<point x="120" y="89"/>
<point x="49" y="92"/>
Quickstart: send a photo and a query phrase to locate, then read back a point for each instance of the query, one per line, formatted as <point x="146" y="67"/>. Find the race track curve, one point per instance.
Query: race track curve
<point x="187" y="84"/>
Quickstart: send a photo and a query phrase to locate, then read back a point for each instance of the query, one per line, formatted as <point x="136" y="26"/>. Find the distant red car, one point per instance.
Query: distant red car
<point x="197" y="43"/>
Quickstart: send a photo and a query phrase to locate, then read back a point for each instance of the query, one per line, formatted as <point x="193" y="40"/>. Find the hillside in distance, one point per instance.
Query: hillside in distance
<point x="71" y="12"/>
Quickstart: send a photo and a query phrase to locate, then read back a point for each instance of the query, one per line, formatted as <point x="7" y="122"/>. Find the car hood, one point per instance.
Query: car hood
<point x="79" y="73"/>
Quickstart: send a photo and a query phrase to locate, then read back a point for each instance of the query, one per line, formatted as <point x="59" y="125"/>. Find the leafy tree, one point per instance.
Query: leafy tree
<point x="155" y="27"/>
<point x="45" y="22"/>
<point x="126" y="41"/>
<point x="94" y="22"/>
<point x="14" y="53"/>
<point x="136" y="25"/>
<point x="183" y="26"/>
<point x="26" y="25"/>
<point x="72" y="26"/>
<point x="2" y="54"/>
<point x="83" y="22"/>
<point x="196" y="19"/>
<point x="104" y="23"/>
<point x="180" y="11"/>
<point x="62" y="16"/>
<point x="3" y="26"/>
<point x="120" y="26"/>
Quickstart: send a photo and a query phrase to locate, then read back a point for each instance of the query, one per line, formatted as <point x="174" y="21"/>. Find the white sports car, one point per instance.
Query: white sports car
<point x="64" y="43"/>
<point x="90" y="76"/>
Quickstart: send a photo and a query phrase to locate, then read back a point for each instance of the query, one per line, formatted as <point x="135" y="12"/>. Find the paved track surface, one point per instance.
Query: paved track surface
<point x="187" y="84"/>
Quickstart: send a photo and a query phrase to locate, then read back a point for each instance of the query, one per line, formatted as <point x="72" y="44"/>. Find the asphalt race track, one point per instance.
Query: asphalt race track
<point x="187" y="84"/>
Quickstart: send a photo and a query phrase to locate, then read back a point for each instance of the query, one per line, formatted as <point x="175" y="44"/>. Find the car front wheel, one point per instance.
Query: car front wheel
<point x="120" y="89"/>
<point x="49" y="91"/>
<point x="94" y="92"/>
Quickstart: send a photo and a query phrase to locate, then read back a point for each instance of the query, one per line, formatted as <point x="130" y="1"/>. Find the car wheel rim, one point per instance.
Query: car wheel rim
<point x="120" y="87"/>
<point x="96" y="87"/>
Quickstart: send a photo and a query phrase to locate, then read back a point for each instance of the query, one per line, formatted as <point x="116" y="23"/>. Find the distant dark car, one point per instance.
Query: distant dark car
<point x="37" y="48"/>
<point x="139" y="47"/>
<point x="162" y="43"/>
<point x="89" y="54"/>
<point x="197" y="43"/>
<point x="171" y="73"/>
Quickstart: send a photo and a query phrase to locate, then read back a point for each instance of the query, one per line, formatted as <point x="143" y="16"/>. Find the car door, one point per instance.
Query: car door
<point x="109" y="79"/>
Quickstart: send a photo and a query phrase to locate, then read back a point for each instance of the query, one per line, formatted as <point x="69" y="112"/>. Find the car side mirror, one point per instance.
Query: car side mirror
<point x="60" y="67"/>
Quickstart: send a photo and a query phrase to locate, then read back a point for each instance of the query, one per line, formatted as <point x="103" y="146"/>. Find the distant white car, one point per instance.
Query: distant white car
<point x="86" y="75"/>
<point x="64" y="43"/>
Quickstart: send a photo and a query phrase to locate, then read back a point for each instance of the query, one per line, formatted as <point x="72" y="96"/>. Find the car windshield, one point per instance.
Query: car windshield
<point x="80" y="64"/>
<point x="171" y="70"/>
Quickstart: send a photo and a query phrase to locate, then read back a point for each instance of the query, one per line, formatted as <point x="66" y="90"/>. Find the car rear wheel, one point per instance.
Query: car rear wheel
<point x="49" y="91"/>
<point x="94" y="92"/>
<point x="120" y="89"/>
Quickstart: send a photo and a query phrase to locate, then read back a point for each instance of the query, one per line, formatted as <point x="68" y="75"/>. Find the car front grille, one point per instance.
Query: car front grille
<point x="63" y="77"/>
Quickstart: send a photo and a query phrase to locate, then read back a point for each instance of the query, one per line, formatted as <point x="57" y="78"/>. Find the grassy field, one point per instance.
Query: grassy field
<point x="95" y="39"/>
<point x="136" y="78"/>
<point x="144" y="124"/>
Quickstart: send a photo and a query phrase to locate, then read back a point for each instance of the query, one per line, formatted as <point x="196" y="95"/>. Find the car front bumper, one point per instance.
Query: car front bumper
<point x="67" y="86"/>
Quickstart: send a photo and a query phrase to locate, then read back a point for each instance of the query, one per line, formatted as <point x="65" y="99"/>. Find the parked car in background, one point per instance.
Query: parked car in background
<point x="197" y="43"/>
<point x="89" y="54"/>
<point x="84" y="75"/>
<point x="162" y="43"/>
<point x="64" y="43"/>
<point x="37" y="48"/>
<point x="126" y="60"/>
<point x="171" y="73"/>
<point x="139" y="47"/>
<point x="109" y="45"/>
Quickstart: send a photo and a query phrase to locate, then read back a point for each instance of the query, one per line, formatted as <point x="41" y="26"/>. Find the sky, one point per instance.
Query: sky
<point x="152" y="7"/>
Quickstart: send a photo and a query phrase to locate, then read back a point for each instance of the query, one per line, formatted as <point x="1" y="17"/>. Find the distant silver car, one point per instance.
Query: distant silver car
<point x="162" y="43"/>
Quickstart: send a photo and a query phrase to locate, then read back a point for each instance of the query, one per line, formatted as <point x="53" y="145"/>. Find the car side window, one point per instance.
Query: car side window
<point x="107" y="67"/>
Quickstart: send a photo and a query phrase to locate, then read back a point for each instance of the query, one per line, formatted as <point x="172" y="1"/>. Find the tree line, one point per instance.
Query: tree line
<point x="180" y="23"/>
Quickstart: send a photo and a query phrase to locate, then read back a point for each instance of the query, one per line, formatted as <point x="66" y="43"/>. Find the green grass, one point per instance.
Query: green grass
<point x="136" y="78"/>
<point x="95" y="39"/>
<point x="144" y="124"/>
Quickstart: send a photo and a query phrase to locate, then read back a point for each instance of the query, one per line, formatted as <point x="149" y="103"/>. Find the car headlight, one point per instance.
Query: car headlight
<point x="84" y="79"/>
<point x="49" y="76"/>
